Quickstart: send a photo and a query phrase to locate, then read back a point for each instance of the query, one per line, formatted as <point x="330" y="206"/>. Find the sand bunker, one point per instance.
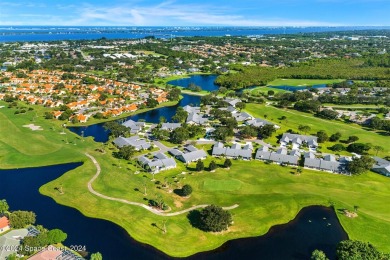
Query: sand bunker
<point x="33" y="127"/>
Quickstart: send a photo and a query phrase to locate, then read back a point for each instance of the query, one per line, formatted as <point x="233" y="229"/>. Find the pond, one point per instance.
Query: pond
<point x="206" y="82"/>
<point x="314" y="227"/>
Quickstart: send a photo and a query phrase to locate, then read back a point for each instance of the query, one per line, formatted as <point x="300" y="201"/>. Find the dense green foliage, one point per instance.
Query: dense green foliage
<point x="215" y="219"/>
<point x="115" y="128"/>
<point x="318" y="255"/>
<point x="186" y="190"/>
<point x="315" y="69"/>
<point x="21" y="219"/>
<point x="360" y="165"/>
<point x="3" y="206"/>
<point x="353" y="249"/>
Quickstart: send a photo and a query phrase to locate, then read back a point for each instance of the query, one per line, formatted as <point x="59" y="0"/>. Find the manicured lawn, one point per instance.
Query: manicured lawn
<point x="259" y="90"/>
<point x="221" y="185"/>
<point x="295" y="118"/>
<point x="302" y="82"/>
<point x="267" y="194"/>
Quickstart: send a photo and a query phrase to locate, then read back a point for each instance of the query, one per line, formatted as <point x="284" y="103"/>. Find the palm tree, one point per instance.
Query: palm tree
<point x="378" y="148"/>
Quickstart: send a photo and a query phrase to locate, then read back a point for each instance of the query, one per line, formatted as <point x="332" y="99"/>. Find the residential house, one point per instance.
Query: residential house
<point x="4" y="224"/>
<point x="281" y="156"/>
<point x="190" y="109"/>
<point x="234" y="151"/>
<point x="195" y="118"/>
<point x="160" y="162"/>
<point x="297" y="140"/>
<point x="242" y="116"/>
<point x="135" y="127"/>
<point x="232" y="101"/>
<point x="328" y="163"/>
<point x="381" y="166"/>
<point x="257" y="122"/>
<point x="135" y="141"/>
<point x="170" y="126"/>
<point x="189" y="154"/>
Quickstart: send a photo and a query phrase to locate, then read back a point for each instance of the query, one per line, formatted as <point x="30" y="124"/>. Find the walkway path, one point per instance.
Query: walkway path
<point x="153" y="210"/>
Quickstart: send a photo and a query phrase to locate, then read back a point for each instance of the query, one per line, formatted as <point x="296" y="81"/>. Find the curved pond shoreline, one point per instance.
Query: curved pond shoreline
<point x="314" y="227"/>
<point x="116" y="243"/>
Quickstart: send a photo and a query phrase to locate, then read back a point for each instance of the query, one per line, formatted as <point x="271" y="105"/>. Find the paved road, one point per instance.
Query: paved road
<point x="153" y="210"/>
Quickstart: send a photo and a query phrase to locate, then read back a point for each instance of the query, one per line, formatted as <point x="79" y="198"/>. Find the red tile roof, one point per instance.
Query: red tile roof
<point x="4" y="222"/>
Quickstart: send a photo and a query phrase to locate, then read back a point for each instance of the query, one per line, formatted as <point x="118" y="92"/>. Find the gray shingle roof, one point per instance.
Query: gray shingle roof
<point x="192" y="156"/>
<point x="310" y="140"/>
<point x="196" y="118"/>
<point x="170" y="126"/>
<point x="257" y="122"/>
<point x="135" y="141"/>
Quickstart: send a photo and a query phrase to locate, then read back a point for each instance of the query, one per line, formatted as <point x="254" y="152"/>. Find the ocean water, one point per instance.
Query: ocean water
<point x="56" y="33"/>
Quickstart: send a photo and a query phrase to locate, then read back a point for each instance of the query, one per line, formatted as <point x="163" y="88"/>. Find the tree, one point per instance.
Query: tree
<point x="115" y="128"/>
<point x="215" y="219"/>
<point x="199" y="165"/>
<point x="20" y="219"/>
<point x="160" y="134"/>
<point x="318" y="255"/>
<point x="338" y="148"/>
<point x="174" y="94"/>
<point x="304" y="128"/>
<point x="49" y="115"/>
<point x="248" y="131"/>
<point x="96" y="256"/>
<point x="179" y="135"/>
<point x="353" y="249"/>
<point x="240" y="105"/>
<point x="359" y="165"/>
<point x="186" y="190"/>
<point x="227" y="163"/>
<point x="335" y="137"/>
<point x="55" y="236"/>
<point x="213" y="165"/>
<point x="328" y="114"/>
<point x="162" y="119"/>
<point x="378" y="149"/>
<point x="271" y="92"/>
<point x="151" y="102"/>
<point x="322" y="136"/>
<point x="359" y="148"/>
<point x="266" y="131"/>
<point x="125" y="152"/>
<point x="223" y="132"/>
<point x="3" y="206"/>
<point x="180" y="116"/>
<point x="352" y="138"/>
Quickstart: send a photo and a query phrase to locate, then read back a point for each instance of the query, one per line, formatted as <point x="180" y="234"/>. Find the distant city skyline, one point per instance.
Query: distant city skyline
<point x="196" y="13"/>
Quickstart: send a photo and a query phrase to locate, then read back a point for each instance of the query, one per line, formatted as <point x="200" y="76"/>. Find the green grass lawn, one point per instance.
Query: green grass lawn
<point x="295" y="118"/>
<point x="259" y="90"/>
<point x="302" y="82"/>
<point x="221" y="185"/>
<point x="267" y="194"/>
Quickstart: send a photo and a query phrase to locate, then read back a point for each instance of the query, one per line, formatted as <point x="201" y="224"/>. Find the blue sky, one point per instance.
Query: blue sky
<point x="196" y="12"/>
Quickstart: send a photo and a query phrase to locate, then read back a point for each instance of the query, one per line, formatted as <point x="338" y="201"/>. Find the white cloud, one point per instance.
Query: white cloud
<point x="166" y="13"/>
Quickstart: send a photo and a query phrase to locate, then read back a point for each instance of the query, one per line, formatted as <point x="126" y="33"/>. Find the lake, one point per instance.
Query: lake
<point x="314" y="227"/>
<point x="206" y="82"/>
